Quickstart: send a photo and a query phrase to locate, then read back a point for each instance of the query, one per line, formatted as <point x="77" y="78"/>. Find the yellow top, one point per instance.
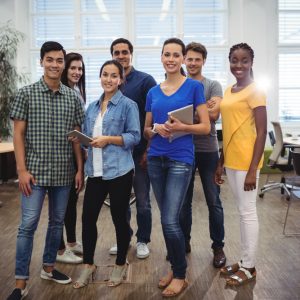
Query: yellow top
<point x="238" y="126"/>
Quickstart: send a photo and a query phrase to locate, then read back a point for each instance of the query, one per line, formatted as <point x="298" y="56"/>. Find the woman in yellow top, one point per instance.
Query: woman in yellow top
<point x="244" y="126"/>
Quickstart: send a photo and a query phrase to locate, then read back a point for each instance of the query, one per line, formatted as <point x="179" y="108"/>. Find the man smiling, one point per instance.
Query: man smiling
<point x="206" y="158"/>
<point x="136" y="86"/>
<point x="43" y="113"/>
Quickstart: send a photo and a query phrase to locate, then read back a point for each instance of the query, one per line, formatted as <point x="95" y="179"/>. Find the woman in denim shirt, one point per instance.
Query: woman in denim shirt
<point x="113" y="122"/>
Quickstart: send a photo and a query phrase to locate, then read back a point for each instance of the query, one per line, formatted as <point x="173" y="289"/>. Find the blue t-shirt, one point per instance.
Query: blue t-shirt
<point x="159" y="104"/>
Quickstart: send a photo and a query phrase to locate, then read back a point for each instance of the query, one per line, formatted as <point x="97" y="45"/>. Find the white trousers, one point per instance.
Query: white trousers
<point x="246" y="204"/>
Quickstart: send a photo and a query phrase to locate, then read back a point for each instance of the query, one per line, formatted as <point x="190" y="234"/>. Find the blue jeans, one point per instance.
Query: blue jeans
<point x="206" y="163"/>
<point x="31" y="211"/>
<point x="169" y="181"/>
<point x="141" y="186"/>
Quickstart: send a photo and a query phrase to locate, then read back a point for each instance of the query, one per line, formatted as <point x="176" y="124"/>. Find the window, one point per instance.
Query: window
<point x="89" y="27"/>
<point x="289" y="59"/>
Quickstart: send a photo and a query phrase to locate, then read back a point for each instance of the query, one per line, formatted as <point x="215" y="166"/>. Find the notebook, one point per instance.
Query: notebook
<point x="185" y="115"/>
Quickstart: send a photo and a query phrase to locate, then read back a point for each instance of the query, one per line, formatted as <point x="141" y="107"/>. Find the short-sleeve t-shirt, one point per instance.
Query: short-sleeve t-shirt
<point x="209" y="142"/>
<point x="49" y="117"/>
<point x="238" y="126"/>
<point x="159" y="104"/>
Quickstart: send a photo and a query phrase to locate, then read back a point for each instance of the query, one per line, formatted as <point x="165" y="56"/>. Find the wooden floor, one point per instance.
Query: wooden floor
<point x="278" y="263"/>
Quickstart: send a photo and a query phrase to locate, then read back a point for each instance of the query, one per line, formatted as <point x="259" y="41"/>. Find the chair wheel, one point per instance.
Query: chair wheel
<point x="261" y="195"/>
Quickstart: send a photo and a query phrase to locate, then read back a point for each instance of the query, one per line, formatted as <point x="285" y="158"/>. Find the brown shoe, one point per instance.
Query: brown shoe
<point x="219" y="258"/>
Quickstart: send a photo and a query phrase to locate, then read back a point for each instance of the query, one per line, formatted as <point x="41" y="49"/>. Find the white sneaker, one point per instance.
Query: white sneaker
<point x="77" y="249"/>
<point x="113" y="250"/>
<point x="56" y="276"/>
<point x="68" y="257"/>
<point x="142" y="250"/>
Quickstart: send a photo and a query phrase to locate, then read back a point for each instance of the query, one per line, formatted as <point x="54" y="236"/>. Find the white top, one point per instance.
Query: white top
<point x="77" y="90"/>
<point x="97" y="152"/>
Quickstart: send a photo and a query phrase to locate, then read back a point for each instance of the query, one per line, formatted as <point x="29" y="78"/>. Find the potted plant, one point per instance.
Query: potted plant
<point x="9" y="80"/>
<point x="9" y="77"/>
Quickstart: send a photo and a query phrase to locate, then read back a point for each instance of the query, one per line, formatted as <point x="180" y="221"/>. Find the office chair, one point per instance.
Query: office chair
<point x="277" y="161"/>
<point x="295" y="184"/>
<point x="272" y="138"/>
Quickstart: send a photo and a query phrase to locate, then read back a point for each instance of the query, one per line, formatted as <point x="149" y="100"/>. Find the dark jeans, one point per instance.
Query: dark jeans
<point x="70" y="218"/>
<point x="169" y="181"/>
<point x="206" y="163"/>
<point x="141" y="186"/>
<point x="119" y="190"/>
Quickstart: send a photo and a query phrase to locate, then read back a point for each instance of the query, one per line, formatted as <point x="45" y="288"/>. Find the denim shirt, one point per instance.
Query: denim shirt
<point x="120" y="119"/>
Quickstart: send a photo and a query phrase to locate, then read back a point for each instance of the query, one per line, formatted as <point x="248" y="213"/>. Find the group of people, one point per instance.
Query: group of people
<point x="132" y="146"/>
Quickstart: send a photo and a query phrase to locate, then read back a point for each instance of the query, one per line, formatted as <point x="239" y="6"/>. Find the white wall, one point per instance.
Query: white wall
<point x="18" y="12"/>
<point x="7" y="10"/>
<point x="251" y="21"/>
<point x="255" y="22"/>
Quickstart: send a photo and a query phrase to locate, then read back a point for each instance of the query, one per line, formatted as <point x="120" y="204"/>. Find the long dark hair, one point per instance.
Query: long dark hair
<point x="246" y="47"/>
<point x="118" y="65"/>
<point x="178" y="42"/>
<point x="64" y="77"/>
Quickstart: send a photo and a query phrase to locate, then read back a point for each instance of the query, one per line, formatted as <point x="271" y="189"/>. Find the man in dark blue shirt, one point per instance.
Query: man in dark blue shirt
<point x="136" y="86"/>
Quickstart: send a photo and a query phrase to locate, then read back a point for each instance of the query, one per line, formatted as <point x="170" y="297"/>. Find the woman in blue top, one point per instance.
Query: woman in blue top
<point x="113" y="122"/>
<point x="170" y="163"/>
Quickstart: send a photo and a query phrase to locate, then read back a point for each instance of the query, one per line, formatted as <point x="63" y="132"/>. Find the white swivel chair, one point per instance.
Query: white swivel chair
<point x="277" y="161"/>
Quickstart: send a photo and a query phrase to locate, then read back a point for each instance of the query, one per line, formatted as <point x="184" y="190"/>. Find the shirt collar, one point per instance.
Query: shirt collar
<point x="45" y="88"/>
<point x="115" y="98"/>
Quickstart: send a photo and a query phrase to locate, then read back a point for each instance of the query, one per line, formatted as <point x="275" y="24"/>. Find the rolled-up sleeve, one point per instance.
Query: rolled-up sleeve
<point x="132" y="132"/>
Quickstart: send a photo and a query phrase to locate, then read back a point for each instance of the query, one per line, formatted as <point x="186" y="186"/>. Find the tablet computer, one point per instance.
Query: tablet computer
<point x="185" y="115"/>
<point x="84" y="139"/>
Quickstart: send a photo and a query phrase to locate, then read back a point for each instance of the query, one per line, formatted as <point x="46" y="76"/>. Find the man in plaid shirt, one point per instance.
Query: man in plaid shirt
<point x="43" y="113"/>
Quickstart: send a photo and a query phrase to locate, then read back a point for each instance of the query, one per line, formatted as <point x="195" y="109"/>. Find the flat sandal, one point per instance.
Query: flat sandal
<point x="164" y="283"/>
<point x="231" y="269"/>
<point x="172" y="292"/>
<point x="236" y="280"/>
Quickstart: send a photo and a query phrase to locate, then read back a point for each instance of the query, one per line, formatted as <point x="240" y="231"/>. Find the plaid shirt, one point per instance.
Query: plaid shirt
<point x="49" y="116"/>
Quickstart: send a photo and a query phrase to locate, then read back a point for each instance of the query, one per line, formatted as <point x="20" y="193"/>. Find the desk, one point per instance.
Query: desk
<point x="292" y="141"/>
<point x="5" y="149"/>
<point x="295" y="141"/>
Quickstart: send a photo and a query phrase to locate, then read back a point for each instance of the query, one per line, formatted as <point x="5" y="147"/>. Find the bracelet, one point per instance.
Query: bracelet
<point x="153" y="128"/>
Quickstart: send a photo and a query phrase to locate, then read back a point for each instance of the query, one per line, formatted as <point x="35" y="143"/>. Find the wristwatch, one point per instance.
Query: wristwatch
<point x="153" y="128"/>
